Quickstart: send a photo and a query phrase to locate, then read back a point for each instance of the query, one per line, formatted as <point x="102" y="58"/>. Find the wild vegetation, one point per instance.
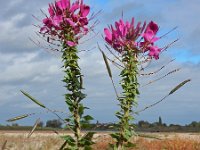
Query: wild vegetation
<point x="50" y="141"/>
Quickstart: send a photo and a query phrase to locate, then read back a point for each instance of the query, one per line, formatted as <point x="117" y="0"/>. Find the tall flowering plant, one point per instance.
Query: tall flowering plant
<point x="67" y="23"/>
<point x="131" y="43"/>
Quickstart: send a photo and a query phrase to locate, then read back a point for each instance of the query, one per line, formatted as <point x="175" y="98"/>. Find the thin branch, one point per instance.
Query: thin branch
<point x="176" y="88"/>
<point x="154" y="72"/>
<point x="113" y="53"/>
<point x="169" y="32"/>
<point x="115" y="63"/>
<point x="173" y="71"/>
<point x="170" y="44"/>
<point x="53" y="112"/>
<point x="149" y="60"/>
<point x="147" y="107"/>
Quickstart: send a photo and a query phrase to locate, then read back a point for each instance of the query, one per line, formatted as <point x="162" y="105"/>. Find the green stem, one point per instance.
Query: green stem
<point x="77" y="126"/>
<point x="128" y="99"/>
<point x="73" y="80"/>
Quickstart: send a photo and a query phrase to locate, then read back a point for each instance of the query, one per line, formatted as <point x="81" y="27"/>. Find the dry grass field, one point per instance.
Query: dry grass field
<point x="17" y="140"/>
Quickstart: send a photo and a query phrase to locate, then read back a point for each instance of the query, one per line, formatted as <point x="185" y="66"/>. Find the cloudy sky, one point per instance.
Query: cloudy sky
<point x="25" y="66"/>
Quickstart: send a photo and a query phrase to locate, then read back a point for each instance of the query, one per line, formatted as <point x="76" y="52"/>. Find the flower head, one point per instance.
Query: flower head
<point x="140" y="38"/>
<point x="66" y="21"/>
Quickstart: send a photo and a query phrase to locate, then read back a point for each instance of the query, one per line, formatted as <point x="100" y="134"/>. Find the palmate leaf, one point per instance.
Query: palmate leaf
<point x="18" y="118"/>
<point x="34" y="127"/>
<point x="33" y="99"/>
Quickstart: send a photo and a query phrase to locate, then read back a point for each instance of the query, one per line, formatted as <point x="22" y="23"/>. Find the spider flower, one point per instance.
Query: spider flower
<point x="140" y="38"/>
<point x="67" y="21"/>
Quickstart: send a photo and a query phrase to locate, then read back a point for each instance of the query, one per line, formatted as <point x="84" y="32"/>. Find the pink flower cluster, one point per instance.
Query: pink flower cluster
<point x="67" y="21"/>
<point x="141" y="39"/>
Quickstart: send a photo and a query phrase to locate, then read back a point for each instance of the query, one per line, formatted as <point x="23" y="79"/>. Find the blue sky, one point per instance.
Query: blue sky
<point x="25" y="66"/>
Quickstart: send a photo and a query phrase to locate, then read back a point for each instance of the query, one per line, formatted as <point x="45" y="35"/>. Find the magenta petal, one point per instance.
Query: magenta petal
<point x="63" y="4"/>
<point x="108" y="34"/>
<point x="71" y="44"/>
<point x="84" y="10"/>
<point x="66" y="3"/>
<point x="45" y="20"/>
<point x="83" y="21"/>
<point x="155" y="39"/>
<point x="151" y="53"/>
<point x="107" y="40"/>
<point x="44" y="30"/>
<point x="69" y="21"/>
<point x="57" y="20"/>
<point x="74" y="7"/>
<point x="148" y="36"/>
<point x="128" y="24"/>
<point x="59" y="4"/>
<point x="152" y="26"/>
<point x="86" y="30"/>
<point x="154" y="52"/>
<point x="132" y="21"/>
<point x="51" y="10"/>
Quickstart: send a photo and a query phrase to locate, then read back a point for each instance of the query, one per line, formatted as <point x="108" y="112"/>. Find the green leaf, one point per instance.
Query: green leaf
<point x="87" y="148"/>
<point x="179" y="86"/>
<point x="106" y="62"/>
<point x="88" y="118"/>
<point x="89" y="135"/>
<point x="33" y="99"/>
<point x="81" y="109"/>
<point x="63" y="146"/>
<point x="112" y="146"/>
<point x="86" y="140"/>
<point x="81" y="82"/>
<point x="130" y="145"/>
<point x="115" y="136"/>
<point x="69" y="140"/>
<point x="119" y="115"/>
<point x="80" y="95"/>
<point x="18" y="118"/>
<point x="68" y="99"/>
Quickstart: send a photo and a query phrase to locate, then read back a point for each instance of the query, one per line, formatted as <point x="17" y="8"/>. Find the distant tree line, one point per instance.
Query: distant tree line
<point x="142" y="125"/>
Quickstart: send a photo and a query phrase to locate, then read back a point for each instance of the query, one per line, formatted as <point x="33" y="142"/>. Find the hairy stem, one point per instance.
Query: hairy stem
<point x="128" y="99"/>
<point x="73" y="80"/>
<point x="77" y="126"/>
